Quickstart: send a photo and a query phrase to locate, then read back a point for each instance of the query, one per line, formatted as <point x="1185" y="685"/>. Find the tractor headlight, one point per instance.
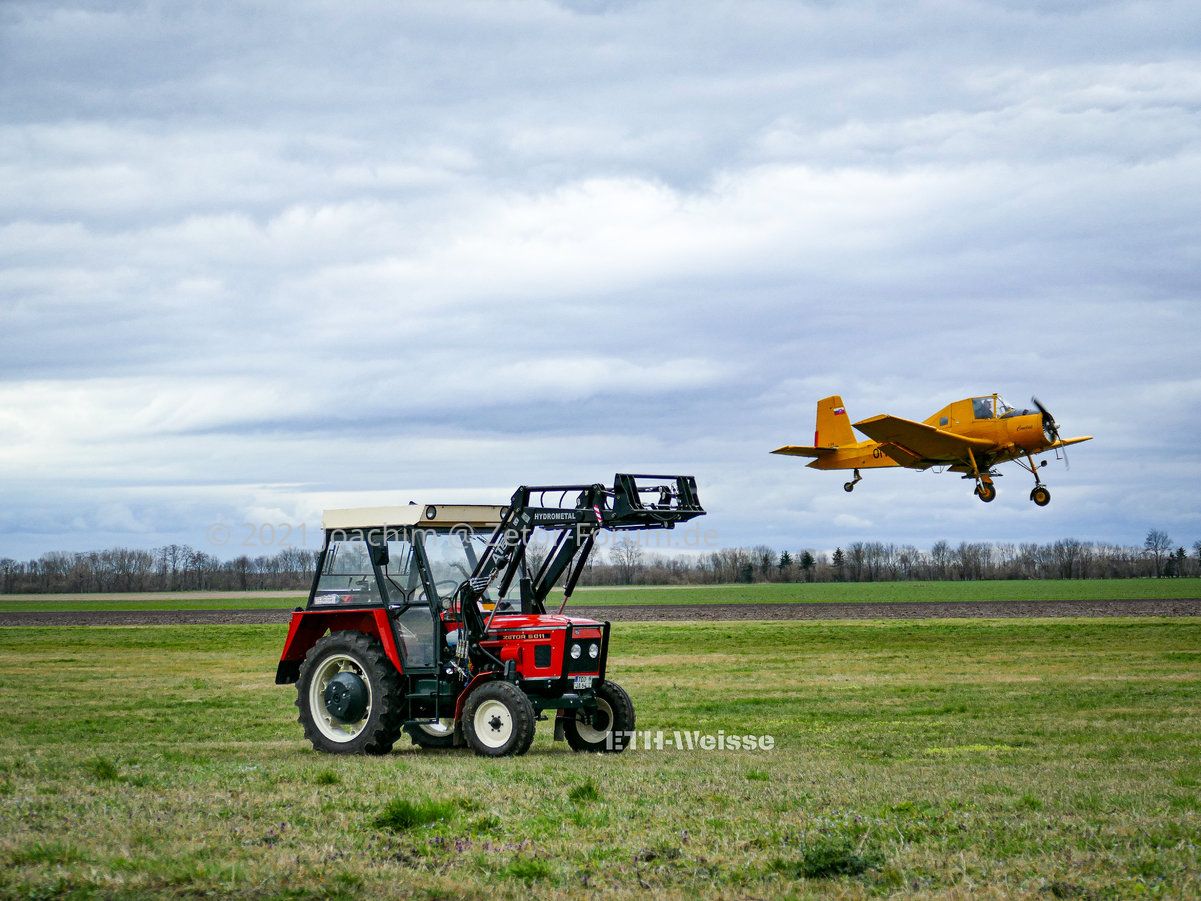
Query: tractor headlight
<point x="576" y="650"/>
<point x="594" y="650"/>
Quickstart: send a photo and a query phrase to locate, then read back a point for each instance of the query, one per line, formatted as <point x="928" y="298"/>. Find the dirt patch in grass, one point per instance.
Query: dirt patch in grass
<point x="665" y="612"/>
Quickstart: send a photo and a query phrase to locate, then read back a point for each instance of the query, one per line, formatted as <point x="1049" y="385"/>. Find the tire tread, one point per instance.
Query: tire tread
<point x="623" y="710"/>
<point x="523" y="717"/>
<point x="387" y="728"/>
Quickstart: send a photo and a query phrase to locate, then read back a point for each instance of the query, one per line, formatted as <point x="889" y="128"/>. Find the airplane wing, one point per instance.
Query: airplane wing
<point x="914" y="443"/>
<point x="796" y="450"/>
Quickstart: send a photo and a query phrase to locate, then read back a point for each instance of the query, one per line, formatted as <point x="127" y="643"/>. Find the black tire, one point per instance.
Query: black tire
<point x="1041" y="496"/>
<point x="498" y="720"/>
<point x="848" y="487"/>
<point x="426" y="739"/>
<point x="363" y="657"/>
<point x="987" y="492"/>
<point x="611" y="736"/>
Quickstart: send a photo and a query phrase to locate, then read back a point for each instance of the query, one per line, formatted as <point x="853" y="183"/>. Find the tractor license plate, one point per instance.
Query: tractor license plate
<point x="583" y="681"/>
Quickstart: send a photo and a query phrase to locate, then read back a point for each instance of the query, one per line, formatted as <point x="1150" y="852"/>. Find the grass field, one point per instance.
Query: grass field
<point x="1055" y="758"/>
<point x="774" y="593"/>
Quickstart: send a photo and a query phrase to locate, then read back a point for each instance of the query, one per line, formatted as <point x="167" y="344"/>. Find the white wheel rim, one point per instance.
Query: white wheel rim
<point x="493" y="723"/>
<point x="587" y="732"/>
<point x="327" y="724"/>
<point x="440" y="729"/>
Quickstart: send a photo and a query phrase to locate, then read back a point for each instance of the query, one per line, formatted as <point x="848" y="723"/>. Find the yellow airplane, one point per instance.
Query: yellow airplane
<point x="970" y="436"/>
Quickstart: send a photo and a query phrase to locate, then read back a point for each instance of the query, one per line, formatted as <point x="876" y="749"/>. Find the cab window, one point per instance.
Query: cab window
<point x="982" y="407"/>
<point x="400" y="572"/>
<point x="347" y="577"/>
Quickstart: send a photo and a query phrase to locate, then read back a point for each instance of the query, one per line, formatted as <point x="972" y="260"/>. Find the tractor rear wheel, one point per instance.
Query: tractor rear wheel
<point x="498" y="720"/>
<point x="612" y="724"/>
<point x="349" y="695"/>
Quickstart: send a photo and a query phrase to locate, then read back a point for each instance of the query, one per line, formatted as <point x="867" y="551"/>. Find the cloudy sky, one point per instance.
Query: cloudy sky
<point x="261" y="259"/>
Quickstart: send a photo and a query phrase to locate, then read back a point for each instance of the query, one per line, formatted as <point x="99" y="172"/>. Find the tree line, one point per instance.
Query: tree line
<point x="183" y="568"/>
<point x="172" y="568"/>
<point x="627" y="563"/>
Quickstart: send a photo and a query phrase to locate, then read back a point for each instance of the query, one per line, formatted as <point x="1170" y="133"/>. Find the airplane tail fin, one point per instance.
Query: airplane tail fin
<point x="833" y="425"/>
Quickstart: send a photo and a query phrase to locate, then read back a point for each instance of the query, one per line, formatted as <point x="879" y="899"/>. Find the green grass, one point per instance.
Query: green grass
<point x="404" y="813"/>
<point x="893" y="592"/>
<point x="234" y="600"/>
<point x="584" y="793"/>
<point x="771" y="593"/>
<point x="1050" y="758"/>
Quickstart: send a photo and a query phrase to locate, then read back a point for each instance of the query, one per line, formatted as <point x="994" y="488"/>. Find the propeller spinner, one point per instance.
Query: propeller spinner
<point x="1051" y="427"/>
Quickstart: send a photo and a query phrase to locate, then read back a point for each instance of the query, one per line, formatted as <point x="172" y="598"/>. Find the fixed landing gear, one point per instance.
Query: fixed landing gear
<point x="1040" y="494"/>
<point x="850" y="486"/>
<point x="985" y="489"/>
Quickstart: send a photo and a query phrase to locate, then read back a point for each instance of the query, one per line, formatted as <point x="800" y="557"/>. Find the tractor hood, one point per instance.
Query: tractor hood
<point x="504" y="622"/>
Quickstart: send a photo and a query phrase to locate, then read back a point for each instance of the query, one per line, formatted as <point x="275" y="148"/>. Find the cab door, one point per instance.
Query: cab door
<point x="408" y="602"/>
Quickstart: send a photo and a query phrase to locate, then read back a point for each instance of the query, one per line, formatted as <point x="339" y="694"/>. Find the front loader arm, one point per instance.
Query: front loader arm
<point x="630" y="504"/>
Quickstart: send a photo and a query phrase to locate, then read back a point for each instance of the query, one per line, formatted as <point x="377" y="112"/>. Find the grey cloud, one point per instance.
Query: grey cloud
<point x="493" y="243"/>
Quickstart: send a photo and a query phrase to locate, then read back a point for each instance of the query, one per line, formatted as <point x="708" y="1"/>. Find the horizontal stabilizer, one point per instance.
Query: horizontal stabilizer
<point x="797" y="450"/>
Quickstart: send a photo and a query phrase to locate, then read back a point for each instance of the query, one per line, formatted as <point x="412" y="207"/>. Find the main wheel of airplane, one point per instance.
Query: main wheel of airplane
<point x="1040" y="495"/>
<point x="848" y="487"/>
<point x="987" y="492"/>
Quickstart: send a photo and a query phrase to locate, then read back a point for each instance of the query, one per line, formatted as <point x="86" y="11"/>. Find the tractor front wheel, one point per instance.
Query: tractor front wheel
<point x="612" y="724"/>
<point x="349" y="695"/>
<point x="498" y="720"/>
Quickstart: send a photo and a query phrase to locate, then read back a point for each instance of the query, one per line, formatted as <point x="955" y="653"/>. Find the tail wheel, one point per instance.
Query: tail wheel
<point x="433" y="735"/>
<point x="611" y="727"/>
<point x="1040" y="495"/>
<point x="987" y="492"/>
<point x="848" y="486"/>
<point x="349" y="695"/>
<point x="498" y="720"/>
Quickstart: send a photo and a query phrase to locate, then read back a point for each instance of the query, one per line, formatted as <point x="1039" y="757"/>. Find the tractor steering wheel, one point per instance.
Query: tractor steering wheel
<point x="419" y="594"/>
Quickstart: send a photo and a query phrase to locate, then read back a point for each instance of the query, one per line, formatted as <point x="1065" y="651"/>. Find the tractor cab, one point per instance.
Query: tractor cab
<point x="407" y="560"/>
<point x="421" y="617"/>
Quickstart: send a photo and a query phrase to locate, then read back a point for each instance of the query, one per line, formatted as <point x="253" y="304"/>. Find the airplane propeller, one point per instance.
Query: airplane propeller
<point x="1051" y="427"/>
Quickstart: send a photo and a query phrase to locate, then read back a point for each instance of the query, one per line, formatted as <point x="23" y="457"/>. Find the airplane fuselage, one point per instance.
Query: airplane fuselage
<point x="1012" y="436"/>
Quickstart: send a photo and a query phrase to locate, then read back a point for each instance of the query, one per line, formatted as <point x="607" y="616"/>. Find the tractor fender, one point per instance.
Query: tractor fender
<point x="469" y="687"/>
<point x="308" y="626"/>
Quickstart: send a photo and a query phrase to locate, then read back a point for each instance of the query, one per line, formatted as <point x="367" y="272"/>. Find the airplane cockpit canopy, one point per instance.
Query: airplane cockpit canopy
<point x="982" y="408"/>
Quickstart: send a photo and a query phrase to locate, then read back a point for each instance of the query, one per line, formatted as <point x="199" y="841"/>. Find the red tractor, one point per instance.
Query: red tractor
<point x="433" y="621"/>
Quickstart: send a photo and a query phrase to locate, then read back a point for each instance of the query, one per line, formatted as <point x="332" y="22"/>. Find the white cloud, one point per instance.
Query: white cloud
<point x="254" y="262"/>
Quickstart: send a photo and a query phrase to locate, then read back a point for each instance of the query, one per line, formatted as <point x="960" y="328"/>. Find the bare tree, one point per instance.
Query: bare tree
<point x="1157" y="546"/>
<point x="940" y="557"/>
<point x="627" y="557"/>
<point x="765" y="561"/>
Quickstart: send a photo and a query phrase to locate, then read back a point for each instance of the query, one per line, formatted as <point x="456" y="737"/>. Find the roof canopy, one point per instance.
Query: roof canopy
<point x="432" y="515"/>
